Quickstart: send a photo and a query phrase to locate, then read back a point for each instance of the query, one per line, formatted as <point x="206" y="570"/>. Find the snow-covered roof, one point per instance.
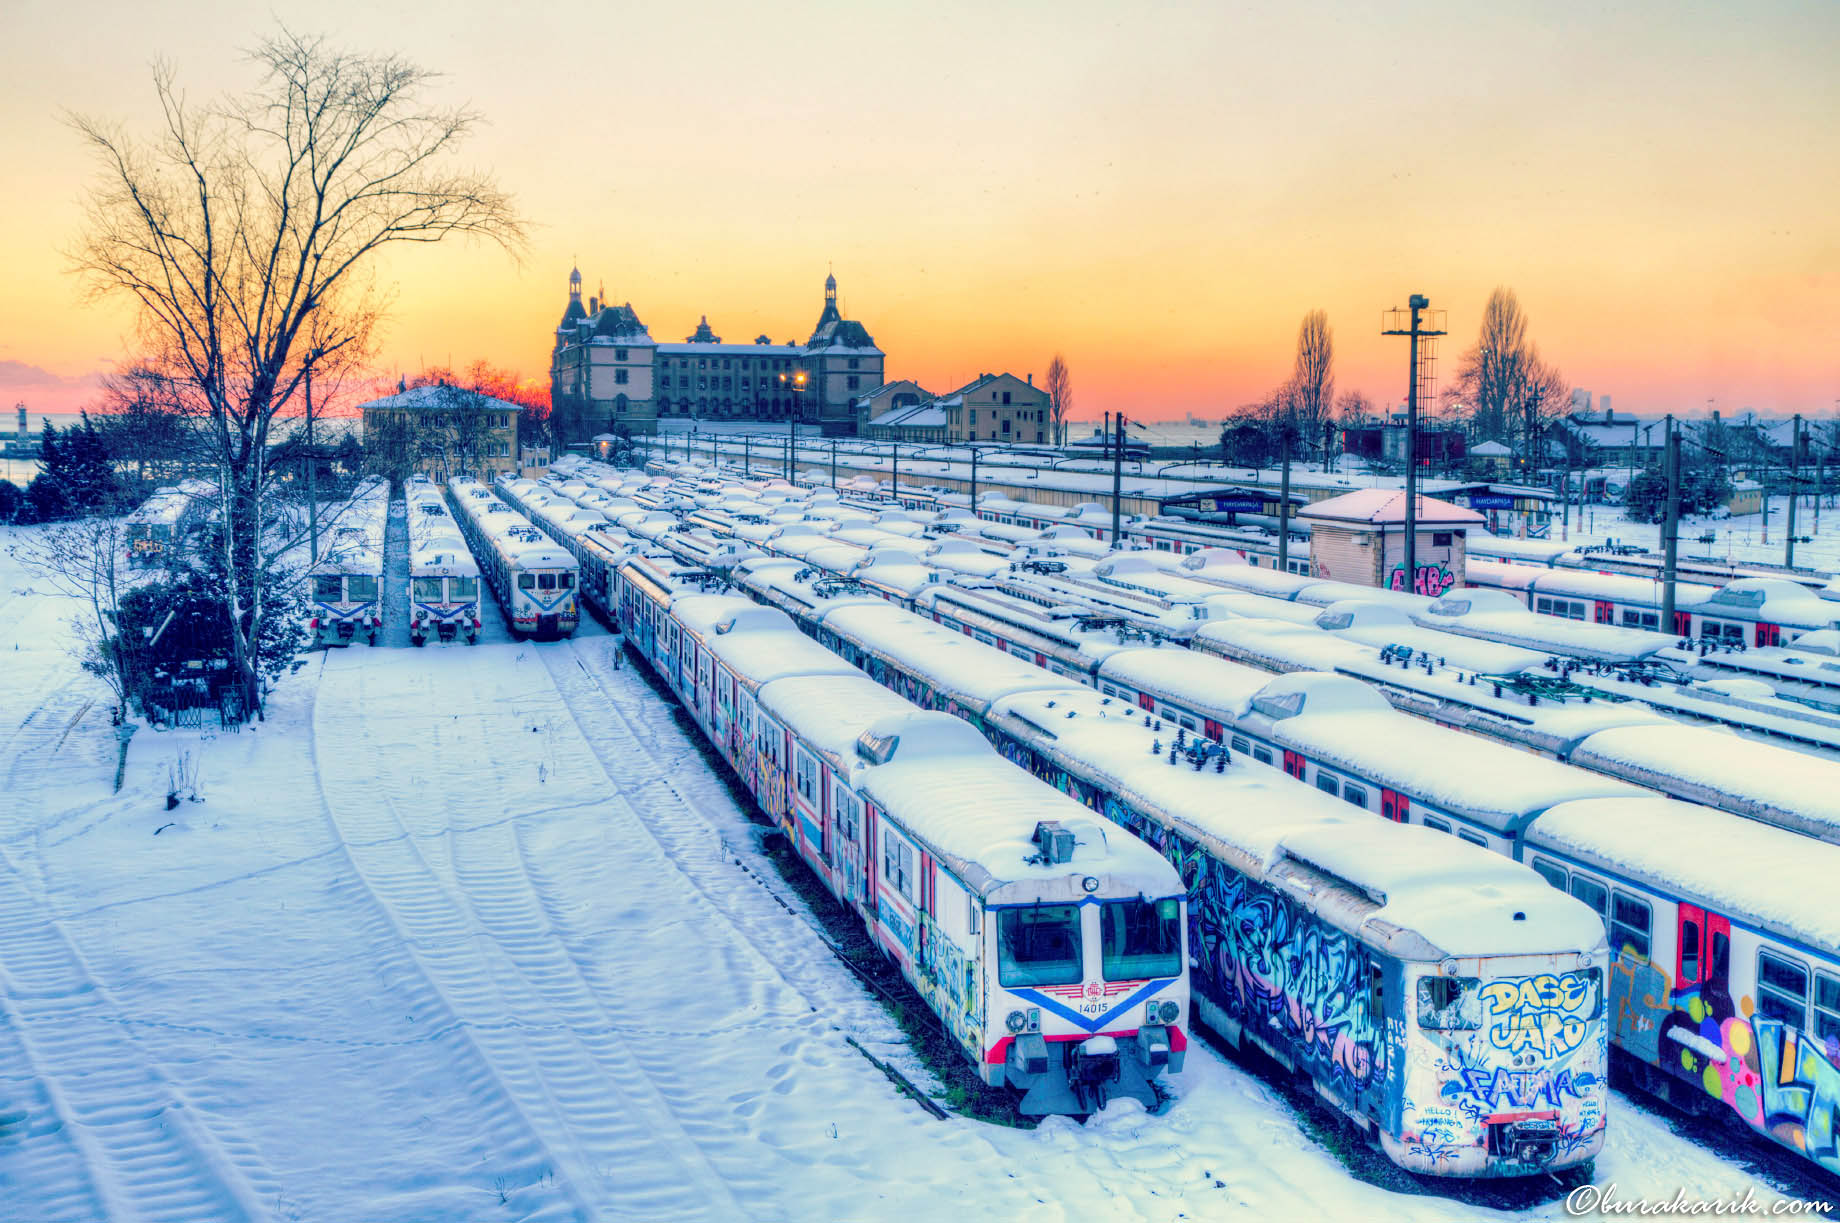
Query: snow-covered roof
<point x="1721" y="769"/>
<point x="1203" y="683"/>
<point x="962" y="669"/>
<point x="765" y="645"/>
<point x="947" y="786"/>
<point x="1767" y="877"/>
<point x="829" y="712"/>
<point x="1379" y="506"/>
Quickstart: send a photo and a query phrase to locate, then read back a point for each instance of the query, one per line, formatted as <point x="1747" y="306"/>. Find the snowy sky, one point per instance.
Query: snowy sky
<point x="1161" y="192"/>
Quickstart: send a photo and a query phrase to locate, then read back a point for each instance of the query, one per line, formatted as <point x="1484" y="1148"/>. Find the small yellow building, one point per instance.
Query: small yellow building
<point x="1360" y="537"/>
<point x="443" y="432"/>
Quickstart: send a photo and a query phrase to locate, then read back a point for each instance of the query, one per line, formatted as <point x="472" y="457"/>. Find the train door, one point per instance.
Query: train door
<point x="1295" y="763"/>
<point x="1703" y="955"/>
<point x="870" y="892"/>
<point x="1213" y="730"/>
<point x="1395" y="806"/>
<point x="1769" y="634"/>
<point x="1683" y="624"/>
<point x="1146" y="702"/>
<point x="1605" y="612"/>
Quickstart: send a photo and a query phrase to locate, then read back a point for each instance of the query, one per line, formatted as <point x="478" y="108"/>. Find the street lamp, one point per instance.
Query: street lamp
<point x="794" y="385"/>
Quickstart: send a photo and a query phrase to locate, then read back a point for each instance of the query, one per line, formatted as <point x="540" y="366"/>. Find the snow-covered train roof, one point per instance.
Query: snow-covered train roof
<point x="1324" y="594"/>
<point x="1227" y="568"/>
<point x="1495" y="615"/>
<point x="1772" y="600"/>
<point x="1426" y="882"/>
<point x="1342" y="722"/>
<point x="1768" y="877"/>
<point x="1202" y="682"/>
<point x="1281" y="644"/>
<point x="830" y="712"/>
<point x="1617" y="587"/>
<point x="1775" y="785"/>
<point x="1381" y="626"/>
<point x="762" y="644"/>
<point x="962" y="669"/>
<point x="979" y="812"/>
<point x="167" y="506"/>
<point x="1539" y="552"/>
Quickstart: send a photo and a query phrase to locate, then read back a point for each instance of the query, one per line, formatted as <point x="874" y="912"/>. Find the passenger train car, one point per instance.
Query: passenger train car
<point x="1255" y="849"/>
<point x="158" y="526"/>
<point x="534" y="578"/>
<point x="345" y="586"/>
<point x="1049" y="945"/>
<point x="1746" y="613"/>
<point x="443" y="576"/>
<point x="1345" y="743"/>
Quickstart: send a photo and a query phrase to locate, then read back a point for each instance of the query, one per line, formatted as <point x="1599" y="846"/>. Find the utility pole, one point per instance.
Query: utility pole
<point x="974" y="459"/>
<point x="833" y="462"/>
<point x="895" y="487"/>
<point x="1417" y="303"/>
<point x="1795" y="480"/>
<point x="1117" y="475"/>
<point x="1284" y="494"/>
<point x="312" y="499"/>
<point x="792" y="432"/>
<point x="747" y="468"/>
<point x="1670" y="541"/>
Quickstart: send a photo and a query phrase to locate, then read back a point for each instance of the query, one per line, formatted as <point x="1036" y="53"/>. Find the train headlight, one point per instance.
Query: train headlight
<point x="1169" y="1011"/>
<point x="1016" y="1021"/>
<point x="1090" y="884"/>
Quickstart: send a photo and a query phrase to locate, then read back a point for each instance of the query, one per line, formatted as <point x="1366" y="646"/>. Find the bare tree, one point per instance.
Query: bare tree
<point x="245" y="231"/>
<point x="1513" y="393"/>
<point x="147" y="425"/>
<point x="1312" y="385"/>
<point x="1059" y="385"/>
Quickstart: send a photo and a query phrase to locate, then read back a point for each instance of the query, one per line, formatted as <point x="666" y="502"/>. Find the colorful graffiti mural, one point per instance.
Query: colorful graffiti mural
<point x="1432" y="580"/>
<point x="1547" y="1015"/>
<point x="951" y="985"/>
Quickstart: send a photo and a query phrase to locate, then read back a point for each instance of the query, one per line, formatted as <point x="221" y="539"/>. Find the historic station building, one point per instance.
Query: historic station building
<point x="606" y="370"/>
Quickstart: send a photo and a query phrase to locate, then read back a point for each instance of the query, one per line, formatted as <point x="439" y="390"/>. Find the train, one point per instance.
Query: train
<point x="535" y="579"/>
<point x="1049" y="945"/>
<point x="1722" y="982"/>
<point x="158" y="526"/>
<point x="443" y="576"/>
<point x="345" y="585"/>
<point x="1745" y="613"/>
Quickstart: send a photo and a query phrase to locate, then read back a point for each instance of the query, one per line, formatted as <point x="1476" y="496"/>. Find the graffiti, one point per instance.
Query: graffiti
<point x="1638" y="1005"/>
<point x="1545" y="1015"/>
<point x="1502" y="1088"/>
<point x="951" y="978"/>
<point x="1801" y="1090"/>
<point x="1432" y="580"/>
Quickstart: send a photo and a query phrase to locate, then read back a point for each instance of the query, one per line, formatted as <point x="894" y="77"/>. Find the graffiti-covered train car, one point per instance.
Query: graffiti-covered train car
<point x="1438" y="995"/>
<point x="1724" y="992"/>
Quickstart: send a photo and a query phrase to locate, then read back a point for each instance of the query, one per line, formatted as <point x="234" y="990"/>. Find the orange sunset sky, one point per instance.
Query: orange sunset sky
<point x="1161" y="191"/>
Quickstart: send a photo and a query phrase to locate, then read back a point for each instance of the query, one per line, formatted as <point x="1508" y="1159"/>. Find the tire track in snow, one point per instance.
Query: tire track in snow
<point x="479" y="937"/>
<point x="647" y="764"/>
<point x="101" y="1132"/>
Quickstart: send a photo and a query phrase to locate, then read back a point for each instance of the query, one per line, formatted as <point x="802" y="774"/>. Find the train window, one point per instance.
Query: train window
<point x="1641" y="619"/>
<point x="1327" y="784"/>
<point x="1449" y="1004"/>
<point x="546" y="581"/>
<point x="1592" y="893"/>
<point x="898" y="865"/>
<point x="1262" y="755"/>
<point x="1039" y="945"/>
<point x="527" y="581"/>
<point x="1720" y="630"/>
<point x="1240" y="745"/>
<point x="1354" y="794"/>
<point x="565" y="581"/>
<point x="1435" y="824"/>
<point x="328" y="588"/>
<point x="360" y="587"/>
<point x="1473" y="838"/>
<point x="1782" y="989"/>
<point x="1826" y="1007"/>
<point x="1140" y="939"/>
<point x="1552" y="872"/>
<point x="1630" y="924"/>
<point x="427" y="590"/>
<point x="848" y="810"/>
<point x="462" y="589"/>
<point x="974" y="915"/>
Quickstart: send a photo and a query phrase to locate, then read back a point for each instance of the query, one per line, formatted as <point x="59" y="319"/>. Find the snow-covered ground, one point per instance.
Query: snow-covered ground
<point x="1741" y="539"/>
<point x="463" y="933"/>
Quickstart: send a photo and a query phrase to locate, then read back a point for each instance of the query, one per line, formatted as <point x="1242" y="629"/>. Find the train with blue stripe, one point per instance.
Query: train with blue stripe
<point x="1050" y="944"/>
<point x="534" y="578"/>
<point x="443" y="576"/>
<point x="345" y="585"/>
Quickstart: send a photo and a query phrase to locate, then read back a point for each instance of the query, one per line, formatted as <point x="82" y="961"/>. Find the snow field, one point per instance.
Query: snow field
<point x="411" y="959"/>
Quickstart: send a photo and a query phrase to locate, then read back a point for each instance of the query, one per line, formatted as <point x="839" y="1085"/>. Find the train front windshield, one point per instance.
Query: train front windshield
<point x="1140" y="939"/>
